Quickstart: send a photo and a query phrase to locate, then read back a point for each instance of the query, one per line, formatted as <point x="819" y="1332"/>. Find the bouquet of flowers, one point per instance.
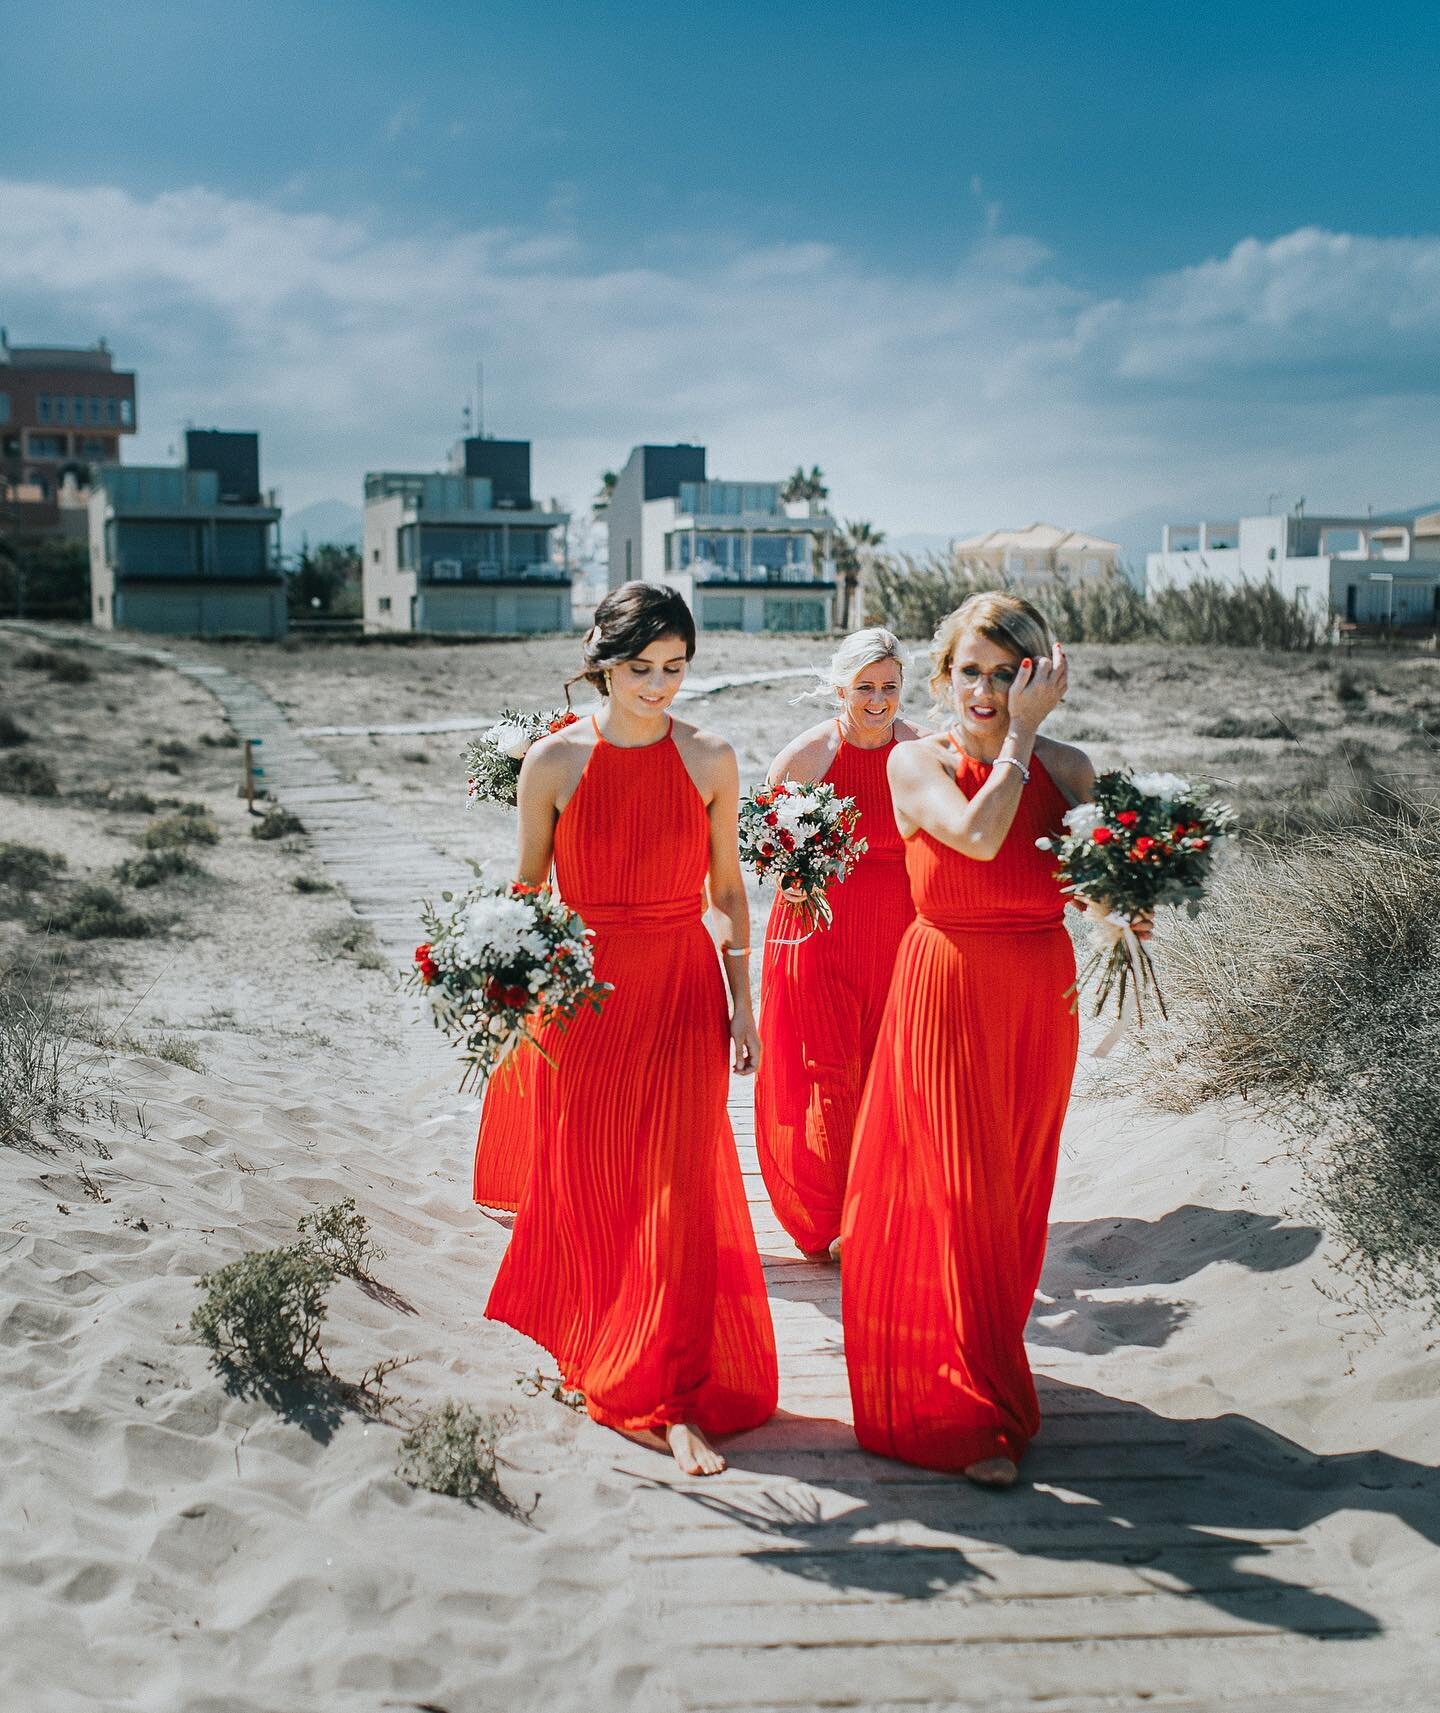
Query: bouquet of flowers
<point x="505" y="961"/>
<point x="1146" y="839"/>
<point x="803" y="835"/>
<point x="492" y="761"/>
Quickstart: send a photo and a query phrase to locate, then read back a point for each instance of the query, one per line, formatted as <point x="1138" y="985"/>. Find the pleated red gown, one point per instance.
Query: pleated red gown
<point x="633" y="1259"/>
<point x="956" y="1144"/>
<point x="820" y="1007"/>
<point x="513" y="1114"/>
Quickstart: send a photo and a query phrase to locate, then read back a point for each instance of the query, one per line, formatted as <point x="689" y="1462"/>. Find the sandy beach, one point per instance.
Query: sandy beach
<point x="1234" y="1503"/>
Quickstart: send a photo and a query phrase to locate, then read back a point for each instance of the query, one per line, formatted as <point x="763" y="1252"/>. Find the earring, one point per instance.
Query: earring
<point x="607" y="683"/>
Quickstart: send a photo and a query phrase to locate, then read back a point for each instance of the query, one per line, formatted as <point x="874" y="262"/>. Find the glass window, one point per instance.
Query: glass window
<point x="46" y="445"/>
<point x="384" y="603"/>
<point x="158" y="549"/>
<point x="4" y="407"/>
<point x="111" y="413"/>
<point x="794" y="615"/>
<point x="127" y="412"/>
<point x="61" y="408"/>
<point x="240" y="549"/>
<point x="42" y="407"/>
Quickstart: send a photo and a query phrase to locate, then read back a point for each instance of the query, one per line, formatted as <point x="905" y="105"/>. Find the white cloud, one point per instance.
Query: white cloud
<point x="988" y="396"/>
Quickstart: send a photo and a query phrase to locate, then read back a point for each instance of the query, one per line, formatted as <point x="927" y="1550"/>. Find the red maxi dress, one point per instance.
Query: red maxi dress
<point x="633" y="1259"/>
<point x="820" y="1007"/>
<point x="956" y="1145"/>
<point x="513" y="1114"/>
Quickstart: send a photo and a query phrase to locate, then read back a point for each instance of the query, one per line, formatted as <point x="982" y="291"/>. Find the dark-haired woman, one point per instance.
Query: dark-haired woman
<point x="633" y="1260"/>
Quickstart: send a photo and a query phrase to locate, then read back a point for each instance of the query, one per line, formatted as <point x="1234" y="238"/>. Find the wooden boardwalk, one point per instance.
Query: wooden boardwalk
<point x="1146" y="1562"/>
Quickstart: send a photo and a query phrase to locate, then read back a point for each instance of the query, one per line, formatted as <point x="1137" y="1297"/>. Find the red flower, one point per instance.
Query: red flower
<point x="787" y="841"/>
<point x="767" y="851"/>
<point x="762" y="798"/>
<point x="1144" y="845"/>
<point x="566" y="719"/>
<point x="1128" y="817"/>
<point x="512" y="997"/>
<point x="1199" y="844"/>
<point x="772" y="819"/>
<point x="425" y="964"/>
<point x="1103" y="835"/>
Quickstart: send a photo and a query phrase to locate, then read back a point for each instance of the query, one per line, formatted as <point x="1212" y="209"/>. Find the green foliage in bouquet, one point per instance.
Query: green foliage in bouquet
<point x="493" y="760"/>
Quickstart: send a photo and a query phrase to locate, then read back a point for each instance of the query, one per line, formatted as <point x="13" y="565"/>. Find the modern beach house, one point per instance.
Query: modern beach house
<point x="63" y="412"/>
<point x="743" y="557"/>
<point x="188" y="551"/>
<point x="1040" y="553"/>
<point x="465" y="550"/>
<point x="1366" y="572"/>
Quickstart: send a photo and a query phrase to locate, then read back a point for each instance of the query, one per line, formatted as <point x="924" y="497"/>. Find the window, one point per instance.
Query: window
<point x="374" y="555"/>
<point x="61" y="408"/>
<point x="4" y="407"/>
<point x="47" y="445"/>
<point x="723" y="612"/>
<point x="92" y="446"/>
<point x="94" y="410"/>
<point x="627" y="559"/>
<point x="111" y="413"/>
<point x="127" y="413"/>
<point x="42" y="408"/>
<point x="99" y="603"/>
<point x="384" y="603"/>
<point x="78" y="406"/>
<point x="794" y="615"/>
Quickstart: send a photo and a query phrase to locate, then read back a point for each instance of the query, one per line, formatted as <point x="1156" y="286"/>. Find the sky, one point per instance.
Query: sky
<point x="982" y="263"/>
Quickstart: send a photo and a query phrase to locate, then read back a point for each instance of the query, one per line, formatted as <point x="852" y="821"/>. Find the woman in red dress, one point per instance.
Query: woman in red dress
<point x="633" y="1259"/>
<point x="822" y="994"/>
<point x="959" y="1128"/>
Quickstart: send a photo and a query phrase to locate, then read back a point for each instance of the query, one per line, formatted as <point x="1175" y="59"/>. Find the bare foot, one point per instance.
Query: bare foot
<point x="835" y="1251"/>
<point x="992" y="1472"/>
<point x="814" y="1254"/>
<point x="692" y="1451"/>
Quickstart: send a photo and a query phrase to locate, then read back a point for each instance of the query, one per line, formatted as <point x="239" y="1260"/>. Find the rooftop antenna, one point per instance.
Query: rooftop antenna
<point x="480" y="399"/>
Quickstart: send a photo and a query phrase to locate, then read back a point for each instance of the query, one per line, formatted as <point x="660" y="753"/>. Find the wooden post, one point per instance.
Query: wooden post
<point x="252" y="772"/>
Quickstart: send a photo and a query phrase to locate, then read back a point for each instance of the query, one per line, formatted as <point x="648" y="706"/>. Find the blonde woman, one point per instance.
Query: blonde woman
<point x="821" y="995"/>
<point x="956" y="1143"/>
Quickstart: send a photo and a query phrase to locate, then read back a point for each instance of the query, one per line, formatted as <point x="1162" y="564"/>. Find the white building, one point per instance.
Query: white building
<point x="744" y="558"/>
<point x="1368" y="572"/>
<point x="1040" y="553"/>
<point x="465" y="551"/>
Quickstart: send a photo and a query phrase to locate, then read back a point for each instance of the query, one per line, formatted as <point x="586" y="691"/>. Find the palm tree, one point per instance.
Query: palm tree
<point x="801" y="486"/>
<point x="854" y="548"/>
<point x="606" y="492"/>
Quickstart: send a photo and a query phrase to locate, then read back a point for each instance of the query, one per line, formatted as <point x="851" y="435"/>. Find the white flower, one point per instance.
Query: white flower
<point x="510" y="739"/>
<point x="1044" y="844"/>
<point x="1083" y="819"/>
<point x="498" y="1026"/>
<point x="1168" y="786"/>
<point x="790" y="812"/>
<point x="495" y="928"/>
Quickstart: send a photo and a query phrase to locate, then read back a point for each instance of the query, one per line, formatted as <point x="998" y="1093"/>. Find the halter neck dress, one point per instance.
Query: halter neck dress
<point x="956" y="1145"/>
<point x="820" y="1007"/>
<point x="633" y="1259"/>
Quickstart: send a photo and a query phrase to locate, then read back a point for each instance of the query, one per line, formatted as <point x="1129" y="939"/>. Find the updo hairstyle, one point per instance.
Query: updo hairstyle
<point x="1004" y="619"/>
<point x="627" y="621"/>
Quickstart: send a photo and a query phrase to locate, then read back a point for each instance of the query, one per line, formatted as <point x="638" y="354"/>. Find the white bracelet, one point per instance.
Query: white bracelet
<point x="1013" y="761"/>
<point x="736" y="951"/>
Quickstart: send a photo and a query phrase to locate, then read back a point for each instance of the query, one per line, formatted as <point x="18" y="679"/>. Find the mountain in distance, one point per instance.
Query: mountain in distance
<point x="323" y="521"/>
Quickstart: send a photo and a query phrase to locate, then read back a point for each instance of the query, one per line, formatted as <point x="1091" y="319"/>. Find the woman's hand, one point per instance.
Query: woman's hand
<point x="1143" y="925"/>
<point x="1039" y="688"/>
<point x="793" y="894"/>
<point x="744" y="1042"/>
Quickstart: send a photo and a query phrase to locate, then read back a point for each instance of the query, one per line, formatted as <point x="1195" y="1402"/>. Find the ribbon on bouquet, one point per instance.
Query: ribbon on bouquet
<point x="1112" y="930"/>
<point x="797" y="904"/>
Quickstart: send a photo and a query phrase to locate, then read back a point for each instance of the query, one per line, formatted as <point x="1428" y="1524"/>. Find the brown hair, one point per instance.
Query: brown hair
<point x="627" y="621"/>
<point x="1004" y="619"/>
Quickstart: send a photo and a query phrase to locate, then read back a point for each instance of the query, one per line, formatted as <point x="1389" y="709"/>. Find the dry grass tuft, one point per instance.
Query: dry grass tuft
<point x="452" y="1450"/>
<point x="46" y="1073"/>
<point x="277" y="823"/>
<point x="191" y="824"/>
<point x="94" y="912"/>
<point x="152" y="868"/>
<point x="12" y="733"/>
<point x="340" y="1236"/>
<point x="23" y="775"/>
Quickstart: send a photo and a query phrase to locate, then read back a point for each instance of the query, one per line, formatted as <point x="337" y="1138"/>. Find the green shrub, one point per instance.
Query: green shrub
<point x="27" y="776"/>
<point x="222" y="740"/>
<point x="27" y="868"/>
<point x="451" y="1450"/>
<point x="264" y="1313"/>
<point x="175" y="749"/>
<point x="1244" y="726"/>
<point x="340" y="1236"/>
<point x="12" y="733"/>
<point x="44" y="1075"/>
<point x="277" y="823"/>
<point x="178" y="1050"/>
<point x="96" y="913"/>
<point x="189" y="825"/>
<point x="311" y="883"/>
<point x="119" y="802"/>
<point x="154" y="867"/>
<point x="354" y="940"/>
<point x="62" y="668"/>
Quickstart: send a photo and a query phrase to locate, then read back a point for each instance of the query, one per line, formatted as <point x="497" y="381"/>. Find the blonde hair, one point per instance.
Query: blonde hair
<point x="1004" y="619"/>
<point x="860" y="649"/>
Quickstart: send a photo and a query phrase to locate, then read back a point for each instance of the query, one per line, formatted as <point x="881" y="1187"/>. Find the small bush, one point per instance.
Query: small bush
<point x="451" y="1450"/>
<point x="277" y="823"/>
<point x="1243" y="726"/>
<point x="1349" y="691"/>
<point x="179" y="1050"/>
<point x="417" y="756"/>
<point x="96" y="913"/>
<point x="311" y="883"/>
<point x="264" y="1313"/>
<point x="189" y="825"/>
<point x="222" y="740"/>
<point x="355" y="940"/>
<point x="119" y="802"/>
<point x="12" y="733"/>
<point x="174" y="749"/>
<point x="63" y="668"/>
<point x="27" y="868"/>
<point x="155" y="867"/>
<point x="27" y="776"/>
<point x="340" y="1235"/>
<point x="44" y="1076"/>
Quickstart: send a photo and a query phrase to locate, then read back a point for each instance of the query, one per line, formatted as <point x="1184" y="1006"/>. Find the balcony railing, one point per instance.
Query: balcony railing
<point x="707" y="571"/>
<point x="441" y="569"/>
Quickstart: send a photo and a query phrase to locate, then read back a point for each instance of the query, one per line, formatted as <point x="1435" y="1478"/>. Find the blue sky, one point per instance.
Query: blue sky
<point x="981" y="262"/>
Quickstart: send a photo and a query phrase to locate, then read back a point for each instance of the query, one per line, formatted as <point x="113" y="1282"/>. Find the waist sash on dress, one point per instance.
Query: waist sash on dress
<point x="650" y="918"/>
